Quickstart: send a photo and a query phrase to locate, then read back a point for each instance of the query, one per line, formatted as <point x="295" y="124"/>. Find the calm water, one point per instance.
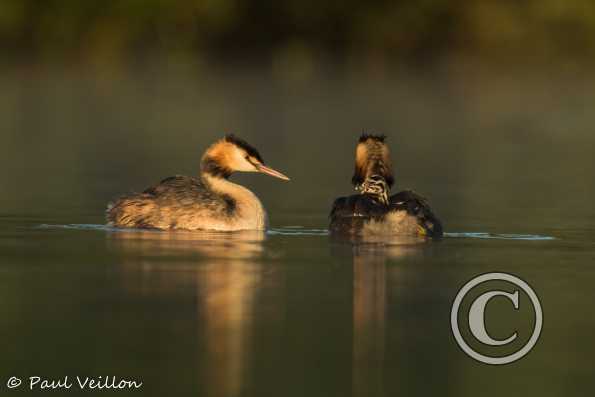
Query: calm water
<point x="293" y="312"/>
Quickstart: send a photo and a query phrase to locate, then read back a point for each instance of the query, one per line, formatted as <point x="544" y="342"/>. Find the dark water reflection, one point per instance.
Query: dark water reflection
<point x="263" y="327"/>
<point x="255" y="314"/>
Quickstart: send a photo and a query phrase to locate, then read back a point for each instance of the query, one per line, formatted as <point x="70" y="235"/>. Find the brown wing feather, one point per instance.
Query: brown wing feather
<point x="170" y="204"/>
<point x="416" y="205"/>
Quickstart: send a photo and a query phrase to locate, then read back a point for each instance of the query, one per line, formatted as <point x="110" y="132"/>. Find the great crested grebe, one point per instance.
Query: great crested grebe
<point x="207" y="202"/>
<point x="373" y="211"/>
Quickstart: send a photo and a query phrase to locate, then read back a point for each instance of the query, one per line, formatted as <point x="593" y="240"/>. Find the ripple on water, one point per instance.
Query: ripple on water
<point x="301" y="231"/>
<point x="497" y="236"/>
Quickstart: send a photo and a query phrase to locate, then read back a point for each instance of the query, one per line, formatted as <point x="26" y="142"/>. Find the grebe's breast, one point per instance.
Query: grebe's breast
<point x="407" y="213"/>
<point x="190" y="203"/>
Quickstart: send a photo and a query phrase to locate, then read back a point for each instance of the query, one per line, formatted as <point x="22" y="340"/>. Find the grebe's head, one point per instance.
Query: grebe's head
<point x="232" y="154"/>
<point x="372" y="161"/>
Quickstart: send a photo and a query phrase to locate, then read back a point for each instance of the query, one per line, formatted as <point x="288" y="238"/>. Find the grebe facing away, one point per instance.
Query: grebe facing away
<point x="373" y="211"/>
<point x="208" y="202"/>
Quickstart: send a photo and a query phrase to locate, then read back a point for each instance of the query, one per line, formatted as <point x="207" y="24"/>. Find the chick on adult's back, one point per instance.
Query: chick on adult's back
<point x="208" y="201"/>
<point x="372" y="211"/>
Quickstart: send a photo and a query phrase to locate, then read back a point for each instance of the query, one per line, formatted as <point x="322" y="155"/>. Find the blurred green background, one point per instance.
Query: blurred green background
<point x="377" y="31"/>
<point x="103" y="97"/>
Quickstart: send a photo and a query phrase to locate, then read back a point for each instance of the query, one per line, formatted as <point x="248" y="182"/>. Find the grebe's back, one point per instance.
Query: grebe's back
<point x="177" y="202"/>
<point x="407" y="213"/>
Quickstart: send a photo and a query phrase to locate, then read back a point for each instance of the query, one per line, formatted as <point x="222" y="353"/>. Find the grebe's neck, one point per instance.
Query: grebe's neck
<point x="248" y="211"/>
<point x="213" y="168"/>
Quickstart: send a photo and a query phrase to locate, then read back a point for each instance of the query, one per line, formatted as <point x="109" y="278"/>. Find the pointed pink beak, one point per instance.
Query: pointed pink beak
<point x="269" y="171"/>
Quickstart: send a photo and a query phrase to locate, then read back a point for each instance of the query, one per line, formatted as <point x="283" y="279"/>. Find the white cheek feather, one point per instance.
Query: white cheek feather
<point x="239" y="162"/>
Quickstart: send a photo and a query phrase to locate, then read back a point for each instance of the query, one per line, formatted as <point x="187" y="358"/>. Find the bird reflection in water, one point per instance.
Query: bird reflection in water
<point x="369" y="311"/>
<point x="226" y="275"/>
<point x="245" y="244"/>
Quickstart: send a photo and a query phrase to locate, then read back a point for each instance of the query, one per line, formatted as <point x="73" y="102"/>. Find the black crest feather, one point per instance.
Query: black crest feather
<point x="365" y="136"/>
